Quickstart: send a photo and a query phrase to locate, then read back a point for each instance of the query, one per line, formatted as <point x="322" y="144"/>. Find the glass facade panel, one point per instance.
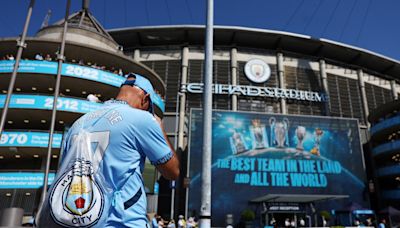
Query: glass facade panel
<point x="170" y="73"/>
<point x="306" y="80"/>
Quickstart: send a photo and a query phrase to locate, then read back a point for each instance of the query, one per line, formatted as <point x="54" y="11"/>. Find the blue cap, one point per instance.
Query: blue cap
<point x="142" y="83"/>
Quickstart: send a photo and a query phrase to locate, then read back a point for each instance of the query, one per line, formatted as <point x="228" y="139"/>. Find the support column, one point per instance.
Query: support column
<point x="281" y="75"/>
<point x="182" y="100"/>
<point x="324" y="81"/>
<point x="136" y="55"/>
<point x="60" y="60"/>
<point x="394" y="90"/>
<point x="363" y="94"/>
<point x="234" y="76"/>
<point x="182" y="114"/>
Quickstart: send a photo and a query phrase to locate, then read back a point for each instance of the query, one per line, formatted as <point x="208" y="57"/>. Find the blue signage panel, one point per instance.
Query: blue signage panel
<point x="93" y="74"/>
<point x="29" y="66"/>
<point x="46" y="102"/>
<point x="23" y="180"/>
<point x="29" y="139"/>
<point x="258" y="154"/>
<point x="71" y="70"/>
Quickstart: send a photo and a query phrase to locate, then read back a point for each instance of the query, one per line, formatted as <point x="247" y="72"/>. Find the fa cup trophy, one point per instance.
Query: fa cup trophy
<point x="279" y="130"/>
<point x="300" y="134"/>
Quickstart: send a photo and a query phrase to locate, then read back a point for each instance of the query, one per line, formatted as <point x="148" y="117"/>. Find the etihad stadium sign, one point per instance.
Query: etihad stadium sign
<point x="256" y="91"/>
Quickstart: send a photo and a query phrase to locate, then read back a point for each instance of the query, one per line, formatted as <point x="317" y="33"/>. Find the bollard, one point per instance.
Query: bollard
<point x="11" y="217"/>
<point x="229" y="219"/>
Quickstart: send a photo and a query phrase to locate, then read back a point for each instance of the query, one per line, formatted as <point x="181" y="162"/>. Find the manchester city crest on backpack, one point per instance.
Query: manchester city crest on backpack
<point x="76" y="199"/>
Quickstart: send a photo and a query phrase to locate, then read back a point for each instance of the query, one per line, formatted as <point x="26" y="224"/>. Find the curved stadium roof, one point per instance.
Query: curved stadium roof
<point x="260" y="38"/>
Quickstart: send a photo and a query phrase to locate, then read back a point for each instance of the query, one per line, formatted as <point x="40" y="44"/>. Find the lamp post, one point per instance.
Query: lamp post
<point x="205" y="209"/>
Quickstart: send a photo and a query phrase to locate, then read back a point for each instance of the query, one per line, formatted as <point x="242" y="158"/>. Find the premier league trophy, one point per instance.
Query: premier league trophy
<point x="318" y="134"/>
<point x="279" y="131"/>
<point x="237" y="143"/>
<point x="258" y="134"/>
<point x="300" y="134"/>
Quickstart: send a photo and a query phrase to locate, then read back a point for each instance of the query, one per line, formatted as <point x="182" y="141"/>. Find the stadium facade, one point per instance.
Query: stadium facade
<point x="289" y="123"/>
<point x="315" y="79"/>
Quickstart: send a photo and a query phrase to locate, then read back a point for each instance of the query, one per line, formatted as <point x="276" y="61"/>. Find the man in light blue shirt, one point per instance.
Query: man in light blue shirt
<point x="100" y="180"/>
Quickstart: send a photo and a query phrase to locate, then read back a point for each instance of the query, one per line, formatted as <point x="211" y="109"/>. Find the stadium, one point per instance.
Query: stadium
<point x="290" y="119"/>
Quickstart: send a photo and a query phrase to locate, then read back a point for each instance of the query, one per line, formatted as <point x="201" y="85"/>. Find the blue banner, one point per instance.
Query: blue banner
<point x="29" y="139"/>
<point x="93" y="74"/>
<point x="254" y="155"/>
<point x="71" y="70"/>
<point x="46" y="102"/>
<point x="29" y="66"/>
<point x="23" y="180"/>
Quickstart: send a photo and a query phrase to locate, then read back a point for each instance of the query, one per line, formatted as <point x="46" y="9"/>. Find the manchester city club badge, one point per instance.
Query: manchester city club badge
<point x="76" y="199"/>
<point x="257" y="71"/>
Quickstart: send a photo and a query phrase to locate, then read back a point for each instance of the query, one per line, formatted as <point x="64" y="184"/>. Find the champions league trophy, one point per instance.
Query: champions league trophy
<point x="279" y="131"/>
<point x="318" y="134"/>
<point x="237" y="143"/>
<point x="300" y="134"/>
<point x="258" y="132"/>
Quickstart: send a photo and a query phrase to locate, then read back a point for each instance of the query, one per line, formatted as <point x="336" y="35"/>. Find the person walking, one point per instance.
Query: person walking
<point x="181" y="222"/>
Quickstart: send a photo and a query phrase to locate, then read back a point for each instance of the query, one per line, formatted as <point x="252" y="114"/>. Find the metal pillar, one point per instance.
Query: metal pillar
<point x="136" y="55"/>
<point x="281" y="78"/>
<point x="205" y="208"/>
<point x="11" y="217"/>
<point x="173" y="191"/>
<point x="234" y="76"/>
<point x="182" y="101"/>
<point x="60" y="58"/>
<point x="21" y="45"/>
<point x="324" y="81"/>
<point x="394" y="90"/>
<point x="363" y="95"/>
<point x="182" y="115"/>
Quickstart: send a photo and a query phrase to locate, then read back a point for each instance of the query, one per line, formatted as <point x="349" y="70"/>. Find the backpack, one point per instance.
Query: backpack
<point x="79" y="195"/>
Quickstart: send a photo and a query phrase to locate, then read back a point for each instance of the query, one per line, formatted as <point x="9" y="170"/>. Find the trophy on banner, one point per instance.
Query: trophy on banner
<point x="317" y="134"/>
<point x="279" y="132"/>
<point x="237" y="143"/>
<point x="258" y="134"/>
<point x="300" y="134"/>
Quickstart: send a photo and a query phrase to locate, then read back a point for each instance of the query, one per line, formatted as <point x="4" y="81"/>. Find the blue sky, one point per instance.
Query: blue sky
<point x="369" y="24"/>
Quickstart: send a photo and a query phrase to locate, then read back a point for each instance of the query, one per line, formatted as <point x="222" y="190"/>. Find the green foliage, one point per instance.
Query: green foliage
<point x="325" y="214"/>
<point x="248" y="215"/>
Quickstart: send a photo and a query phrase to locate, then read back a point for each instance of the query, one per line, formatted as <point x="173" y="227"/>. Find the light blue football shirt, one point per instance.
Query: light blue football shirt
<point x="125" y="136"/>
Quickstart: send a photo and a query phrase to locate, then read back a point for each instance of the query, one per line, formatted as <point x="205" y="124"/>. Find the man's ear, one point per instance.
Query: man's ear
<point x="146" y="99"/>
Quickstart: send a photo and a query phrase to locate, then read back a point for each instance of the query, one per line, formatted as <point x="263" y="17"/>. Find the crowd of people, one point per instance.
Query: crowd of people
<point x="8" y="57"/>
<point x="47" y="57"/>
<point x="369" y="222"/>
<point x="159" y="222"/>
<point x="291" y="223"/>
